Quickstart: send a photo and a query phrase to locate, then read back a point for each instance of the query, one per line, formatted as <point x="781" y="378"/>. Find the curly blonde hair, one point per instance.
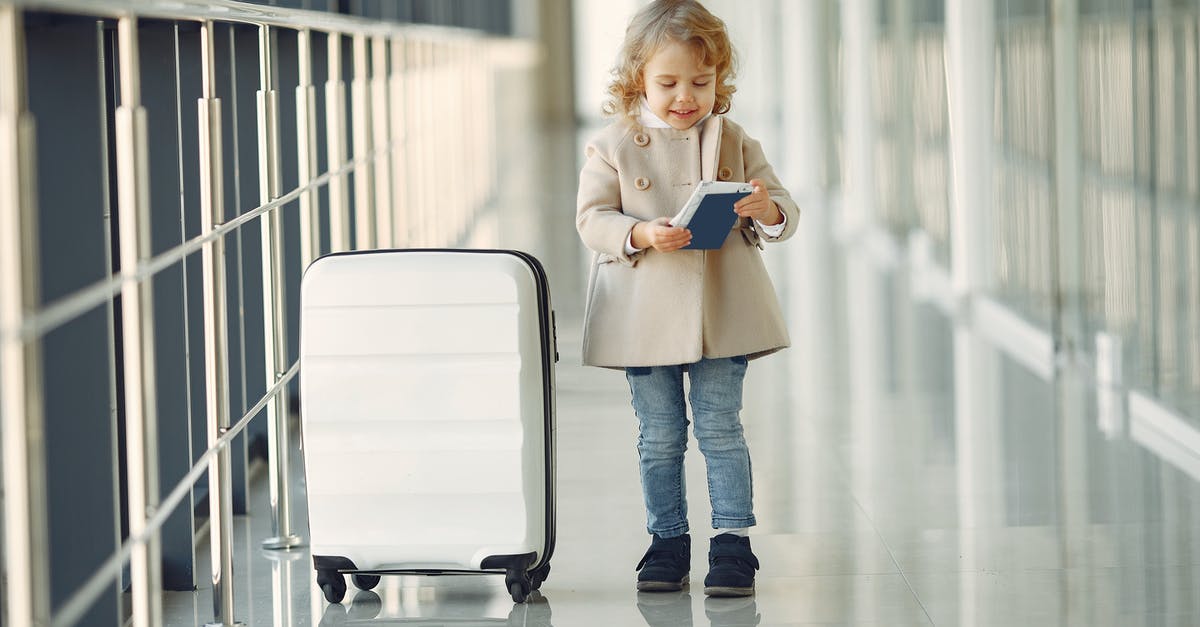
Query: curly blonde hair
<point x="661" y="22"/>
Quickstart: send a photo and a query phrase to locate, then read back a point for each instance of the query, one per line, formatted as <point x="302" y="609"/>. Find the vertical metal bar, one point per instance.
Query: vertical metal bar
<point x="137" y="324"/>
<point x="470" y="156"/>
<point x="364" y="206"/>
<point x="306" y="150"/>
<point x="110" y="307"/>
<point x="26" y="548"/>
<point x="384" y="209"/>
<point x="240" y="273"/>
<point x="412" y="138"/>
<point x="274" y="329"/>
<point x="400" y="209"/>
<point x="420" y="129"/>
<point x="438" y="149"/>
<point x="243" y="405"/>
<point x="335" y="145"/>
<point x="484" y="134"/>
<point x="185" y="283"/>
<point x="448" y="149"/>
<point x="447" y="74"/>
<point x="216" y="334"/>
<point x="428" y="122"/>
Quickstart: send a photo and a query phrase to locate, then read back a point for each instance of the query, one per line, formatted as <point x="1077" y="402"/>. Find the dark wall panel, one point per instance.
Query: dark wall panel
<point x="178" y="321"/>
<point x="66" y="102"/>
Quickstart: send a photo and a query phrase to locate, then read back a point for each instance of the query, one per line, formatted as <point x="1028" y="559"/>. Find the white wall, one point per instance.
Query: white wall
<point x="600" y="28"/>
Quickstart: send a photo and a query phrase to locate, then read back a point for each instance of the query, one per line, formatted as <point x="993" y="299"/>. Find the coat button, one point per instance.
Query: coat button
<point x="724" y="173"/>
<point x="641" y="139"/>
<point x="642" y="183"/>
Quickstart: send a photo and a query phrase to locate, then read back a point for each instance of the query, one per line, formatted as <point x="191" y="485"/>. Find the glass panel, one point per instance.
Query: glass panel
<point x="930" y="159"/>
<point x="1107" y="180"/>
<point x="890" y="114"/>
<point x="909" y="111"/>
<point x="1171" y="48"/>
<point x="1140" y="191"/>
<point x="1022" y="223"/>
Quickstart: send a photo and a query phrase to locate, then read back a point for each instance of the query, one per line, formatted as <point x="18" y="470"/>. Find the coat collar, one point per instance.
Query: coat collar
<point x="710" y="145"/>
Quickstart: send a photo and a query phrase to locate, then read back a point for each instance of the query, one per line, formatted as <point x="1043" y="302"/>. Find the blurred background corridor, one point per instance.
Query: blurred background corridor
<point x="989" y="414"/>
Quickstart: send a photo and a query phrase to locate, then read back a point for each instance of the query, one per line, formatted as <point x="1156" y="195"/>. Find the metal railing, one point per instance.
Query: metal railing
<point x="406" y="81"/>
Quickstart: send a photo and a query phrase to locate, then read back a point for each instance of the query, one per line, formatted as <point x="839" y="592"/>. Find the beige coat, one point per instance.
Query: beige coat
<point x="652" y="308"/>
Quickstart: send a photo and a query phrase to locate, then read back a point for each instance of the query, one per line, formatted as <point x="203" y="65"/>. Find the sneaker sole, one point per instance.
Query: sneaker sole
<point x="727" y="591"/>
<point x="662" y="586"/>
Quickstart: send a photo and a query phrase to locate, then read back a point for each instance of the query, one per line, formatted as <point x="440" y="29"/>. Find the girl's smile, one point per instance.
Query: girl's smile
<point x="679" y="88"/>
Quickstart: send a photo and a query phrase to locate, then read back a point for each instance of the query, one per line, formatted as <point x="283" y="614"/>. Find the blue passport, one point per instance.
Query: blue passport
<point x="709" y="214"/>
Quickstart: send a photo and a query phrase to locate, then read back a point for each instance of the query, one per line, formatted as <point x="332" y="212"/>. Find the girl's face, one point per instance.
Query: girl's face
<point x="678" y="89"/>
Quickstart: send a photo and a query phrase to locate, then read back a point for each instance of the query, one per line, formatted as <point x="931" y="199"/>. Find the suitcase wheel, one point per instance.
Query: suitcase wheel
<point x="332" y="584"/>
<point x="365" y="582"/>
<point x="539" y="575"/>
<point x="519" y="585"/>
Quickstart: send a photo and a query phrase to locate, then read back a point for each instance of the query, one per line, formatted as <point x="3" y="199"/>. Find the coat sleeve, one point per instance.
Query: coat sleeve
<point x="757" y="167"/>
<point x="601" y="223"/>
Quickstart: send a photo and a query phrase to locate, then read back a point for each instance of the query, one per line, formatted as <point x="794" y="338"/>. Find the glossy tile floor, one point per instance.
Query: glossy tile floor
<point x="906" y="474"/>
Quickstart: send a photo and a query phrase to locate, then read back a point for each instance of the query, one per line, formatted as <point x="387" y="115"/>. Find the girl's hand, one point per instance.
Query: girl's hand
<point x="758" y="205"/>
<point x="660" y="235"/>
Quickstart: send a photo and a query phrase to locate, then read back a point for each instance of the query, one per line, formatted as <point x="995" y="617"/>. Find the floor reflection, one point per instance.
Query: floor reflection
<point x="674" y="609"/>
<point x="466" y="602"/>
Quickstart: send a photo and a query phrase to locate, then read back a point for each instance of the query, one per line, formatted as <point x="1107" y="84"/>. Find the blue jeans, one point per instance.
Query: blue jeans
<point x="716" y="400"/>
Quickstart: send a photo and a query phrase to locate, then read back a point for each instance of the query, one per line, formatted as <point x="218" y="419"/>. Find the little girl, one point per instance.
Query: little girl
<point x="657" y="310"/>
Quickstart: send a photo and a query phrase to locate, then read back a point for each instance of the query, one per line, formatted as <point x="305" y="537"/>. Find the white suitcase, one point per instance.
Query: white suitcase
<point x="427" y="416"/>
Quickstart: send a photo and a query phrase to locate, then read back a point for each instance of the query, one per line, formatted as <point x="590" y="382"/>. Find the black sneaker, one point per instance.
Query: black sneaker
<point x="731" y="567"/>
<point x="664" y="567"/>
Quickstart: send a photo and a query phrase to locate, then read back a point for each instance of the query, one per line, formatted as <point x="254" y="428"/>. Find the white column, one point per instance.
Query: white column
<point x="859" y="20"/>
<point x="809" y="258"/>
<point x="970" y="84"/>
<point x="1065" y="22"/>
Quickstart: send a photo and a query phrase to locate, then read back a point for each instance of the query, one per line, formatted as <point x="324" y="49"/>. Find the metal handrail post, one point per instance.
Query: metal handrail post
<point x="360" y="94"/>
<point x="137" y="324"/>
<point x="26" y="547"/>
<point x="401" y="227"/>
<point x="335" y="145"/>
<point x="383" y="140"/>
<point x="423" y="129"/>
<point x="216" y="335"/>
<point x="274" y="329"/>
<point x="306" y="150"/>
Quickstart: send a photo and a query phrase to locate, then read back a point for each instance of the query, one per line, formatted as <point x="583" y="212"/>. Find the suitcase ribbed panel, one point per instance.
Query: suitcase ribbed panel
<point x="422" y="408"/>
